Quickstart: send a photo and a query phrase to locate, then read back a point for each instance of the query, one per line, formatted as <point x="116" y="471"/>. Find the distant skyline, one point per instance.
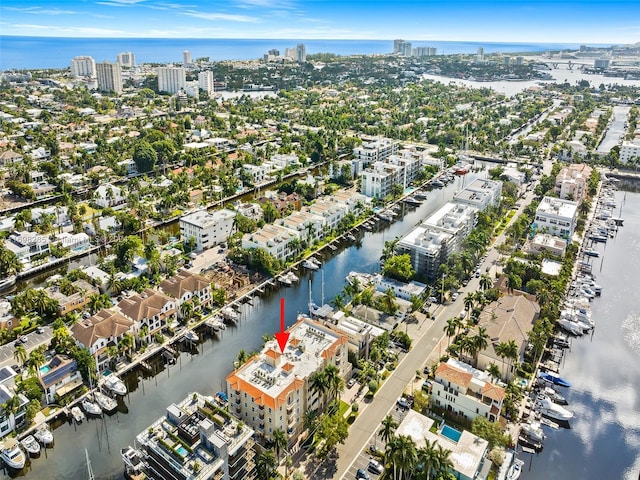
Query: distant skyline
<point x="549" y="21"/>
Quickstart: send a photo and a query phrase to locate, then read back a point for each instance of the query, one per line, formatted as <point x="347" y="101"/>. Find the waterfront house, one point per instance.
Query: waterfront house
<point x="272" y="390"/>
<point x="9" y="421"/>
<point x="510" y="318"/>
<point x="59" y="377"/>
<point x="468" y="453"/>
<point x="28" y="246"/>
<point x="274" y="239"/>
<point x="151" y="308"/>
<point x="108" y="195"/>
<point x="186" y="286"/>
<point x="207" y="229"/>
<point x="557" y="217"/>
<point x="100" y="331"/>
<point x="465" y="392"/>
<point x="76" y="298"/>
<point x="572" y="182"/>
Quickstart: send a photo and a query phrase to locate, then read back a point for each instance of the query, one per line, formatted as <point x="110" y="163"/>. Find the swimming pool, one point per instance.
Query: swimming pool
<point x="182" y="451"/>
<point x="45" y="369"/>
<point x="451" y="433"/>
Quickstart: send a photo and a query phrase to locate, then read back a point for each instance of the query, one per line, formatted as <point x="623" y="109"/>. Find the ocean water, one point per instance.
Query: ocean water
<point x="17" y="52"/>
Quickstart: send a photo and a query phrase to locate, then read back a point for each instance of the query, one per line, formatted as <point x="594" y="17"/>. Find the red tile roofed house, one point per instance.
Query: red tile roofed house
<point x="102" y="330"/>
<point x="10" y="157"/>
<point x="151" y="308"/>
<point x="186" y="286"/>
<point x="464" y="392"/>
<point x="272" y="390"/>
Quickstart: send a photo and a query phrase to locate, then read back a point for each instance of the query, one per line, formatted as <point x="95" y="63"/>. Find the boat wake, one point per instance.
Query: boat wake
<point x="631" y="329"/>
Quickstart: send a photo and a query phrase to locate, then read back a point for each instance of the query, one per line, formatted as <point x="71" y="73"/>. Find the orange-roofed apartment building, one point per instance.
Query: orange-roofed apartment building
<point x="466" y="392"/>
<point x="151" y="308"/>
<point x="272" y="390"/>
<point x="104" y="329"/>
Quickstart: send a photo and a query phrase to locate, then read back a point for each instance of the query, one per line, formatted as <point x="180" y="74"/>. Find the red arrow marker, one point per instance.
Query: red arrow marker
<point x="282" y="337"/>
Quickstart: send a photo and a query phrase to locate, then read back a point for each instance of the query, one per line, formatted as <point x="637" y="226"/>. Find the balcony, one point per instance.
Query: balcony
<point x="290" y="408"/>
<point x="261" y="416"/>
<point x="238" y="400"/>
<point x="238" y="409"/>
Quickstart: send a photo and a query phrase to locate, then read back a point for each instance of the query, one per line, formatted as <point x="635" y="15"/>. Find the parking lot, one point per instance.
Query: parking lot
<point x="34" y="340"/>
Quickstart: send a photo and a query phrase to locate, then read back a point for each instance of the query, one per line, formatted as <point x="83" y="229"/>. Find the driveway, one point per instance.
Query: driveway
<point x="34" y="340"/>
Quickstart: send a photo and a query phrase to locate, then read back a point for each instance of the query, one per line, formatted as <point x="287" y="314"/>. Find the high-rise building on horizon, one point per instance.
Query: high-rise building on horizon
<point x="126" y="59"/>
<point x="205" y="82"/>
<point x="171" y="79"/>
<point x="396" y="45"/>
<point x="109" y="77"/>
<point x="83" y="66"/>
<point x="480" y="55"/>
<point x="186" y="58"/>
<point x="301" y="53"/>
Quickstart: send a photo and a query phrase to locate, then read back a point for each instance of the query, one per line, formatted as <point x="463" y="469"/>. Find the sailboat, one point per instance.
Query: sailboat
<point x="90" y="474"/>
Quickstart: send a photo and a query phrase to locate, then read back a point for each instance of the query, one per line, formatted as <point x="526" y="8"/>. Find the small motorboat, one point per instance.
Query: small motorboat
<point x="77" y="414"/>
<point x="31" y="445"/>
<point x="555" y="396"/>
<point x="533" y="430"/>
<point x="8" y="282"/>
<point x="12" y="454"/>
<point x="515" y="470"/>
<point x="106" y="404"/>
<point x="229" y="313"/>
<point x="555" y="379"/>
<point x="90" y="407"/>
<point x="592" y="253"/>
<point x="546" y="407"/>
<point x="192" y="336"/>
<point x="310" y="264"/>
<point x="44" y="435"/>
<point x="115" y="385"/>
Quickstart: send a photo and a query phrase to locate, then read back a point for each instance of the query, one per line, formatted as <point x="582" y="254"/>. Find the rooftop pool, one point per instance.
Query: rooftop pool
<point x="451" y="433"/>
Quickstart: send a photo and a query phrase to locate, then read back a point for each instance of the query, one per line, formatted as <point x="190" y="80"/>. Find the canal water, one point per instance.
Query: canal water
<point x="206" y="369"/>
<point x="604" y="439"/>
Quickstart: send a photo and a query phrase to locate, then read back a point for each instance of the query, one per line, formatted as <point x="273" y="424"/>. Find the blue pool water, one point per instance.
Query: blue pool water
<point x="182" y="451"/>
<point x="45" y="369"/>
<point x="451" y="433"/>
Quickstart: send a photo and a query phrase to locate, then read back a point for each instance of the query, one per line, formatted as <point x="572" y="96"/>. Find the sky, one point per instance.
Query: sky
<point x="543" y="21"/>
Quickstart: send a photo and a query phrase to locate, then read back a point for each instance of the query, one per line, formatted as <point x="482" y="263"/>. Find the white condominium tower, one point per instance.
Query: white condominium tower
<point x="126" y="59"/>
<point x="109" y="77"/>
<point x="83" y="66"/>
<point x="205" y="82"/>
<point x="186" y="58"/>
<point x="171" y="79"/>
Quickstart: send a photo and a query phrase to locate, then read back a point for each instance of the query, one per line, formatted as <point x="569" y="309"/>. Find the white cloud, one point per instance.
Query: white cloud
<point x="69" y="31"/>
<point x="220" y="16"/>
<point x="120" y="3"/>
<point x="42" y="11"/>
<point x="284" y="4"/>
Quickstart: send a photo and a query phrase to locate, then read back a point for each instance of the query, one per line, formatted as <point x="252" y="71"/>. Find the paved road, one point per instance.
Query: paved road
<point x="616" y="129"/>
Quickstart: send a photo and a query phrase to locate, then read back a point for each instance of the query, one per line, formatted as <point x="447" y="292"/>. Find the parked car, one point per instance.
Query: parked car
<point x="24" y="339"/>
<point x="427" y="385"/>
<point x="454" y="296"/>
<point x="362" y="474"/>
<point x="374" y="450"/>
<point x="40" y="330"/>
<point x="375" y="466"/>
<point x="403" y="403"/>
<point x="351" y="383"/>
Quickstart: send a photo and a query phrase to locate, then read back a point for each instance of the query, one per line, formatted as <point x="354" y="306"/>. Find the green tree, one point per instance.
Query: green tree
<point x="266" y="464"/>
<point x="332" y="429"/>
<point x="144" y="156"/>
<point x="389" y="426"/>
<point x="492" y="432"/>
<point x="280" y="441"/>
<point x="399" y="267"/>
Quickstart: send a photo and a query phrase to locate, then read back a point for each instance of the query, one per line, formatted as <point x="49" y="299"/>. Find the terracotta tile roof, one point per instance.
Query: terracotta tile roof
<point x="493" y="392"/>
<point x="104" y="324"/>
<point x="184" y="282"/>
<point x="453" y="375"/>
<point x="259" y="396"/>
<point x="271" y="353"/>
<point x="144" y="305"/>
<point x="294" y="342"/>
<point x="287" y="367"/>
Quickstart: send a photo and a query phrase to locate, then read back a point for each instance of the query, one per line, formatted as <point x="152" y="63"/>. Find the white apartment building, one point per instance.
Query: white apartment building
<point x="309" y="227"/>
<point x="428" y="249"/>
<point x="83" y="66"/>
<point x="219" y="444"/>
<point x="126" y="59"/>
<point x="109" y="77"/>
<point x="207" y="228"/>
<point x="274" y="239"/>
<point x="171" y="79"/>
<point x="258" y="173"/>
<point x="480" y="194"/>
<point x="630" y="150"/>
<point x="557" y="217"/>
<point x="462" y="390"/>
<point x="573" y="181"/>
<point x="377" y="180"/>
<point x="107" y="195"/>
<point x="281" y="160"/>
<point x="401" y="290"/>
<point x="331" y="211"/>
<point x="377" y="150"/>
<point x="186" y="58"/>
<point x="205" y="82"/>
<point x="453" y="218"/>
<point x="272" y="390"/>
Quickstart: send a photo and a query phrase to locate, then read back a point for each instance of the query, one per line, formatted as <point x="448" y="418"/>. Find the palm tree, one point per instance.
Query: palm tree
<point x="389" y="301"/>
<point x="443" y="460"/>
<point x="514" y="282"/>
<point x="310" y="420"/>
<point x="242" y="358"/>
<point x="389" y="426"/>
<point x="407" y="455"/>
<point x="485" y="282"/>
<point x="450" y="329"/>
<point x="480" y="342"/>
<point x="494" y="371"/>
<point x="426" y="456"/>
<point x="501" y="351"/>
<point x="280" y="442"/>
<point x="511" y="352"/>
<point x="334" y="381"/>
<point x="319" y="384"/>
<point x="36" y="359"/>
<point x="469" y="300"/>
<point x="266" y="464"/>
<point x="20" y="354"/>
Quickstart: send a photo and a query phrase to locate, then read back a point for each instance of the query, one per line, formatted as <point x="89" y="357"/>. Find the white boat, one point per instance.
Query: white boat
<point x="310" y="264"/>
<point x="31" y="445"/>
<point x="90" y="407"/>
<point x="555" y="396"/>
<point x="533" y="430"/>
<point x="229" y="313"/>
<point x="106" y="404"/>
<point x="546" y="407"/>
<point x="77" y="414"/>
<point x="515" y="470"/>
<point x="292" y="276"/>
<point x="115" y="385"/>
<point x="44" y="435"/>
<point x="8" y="282"/>
<point x="12" y="454"/>
<point x="285" y="280"/>
<point x="570" y="326"/>
<point x="192" y="336"/>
